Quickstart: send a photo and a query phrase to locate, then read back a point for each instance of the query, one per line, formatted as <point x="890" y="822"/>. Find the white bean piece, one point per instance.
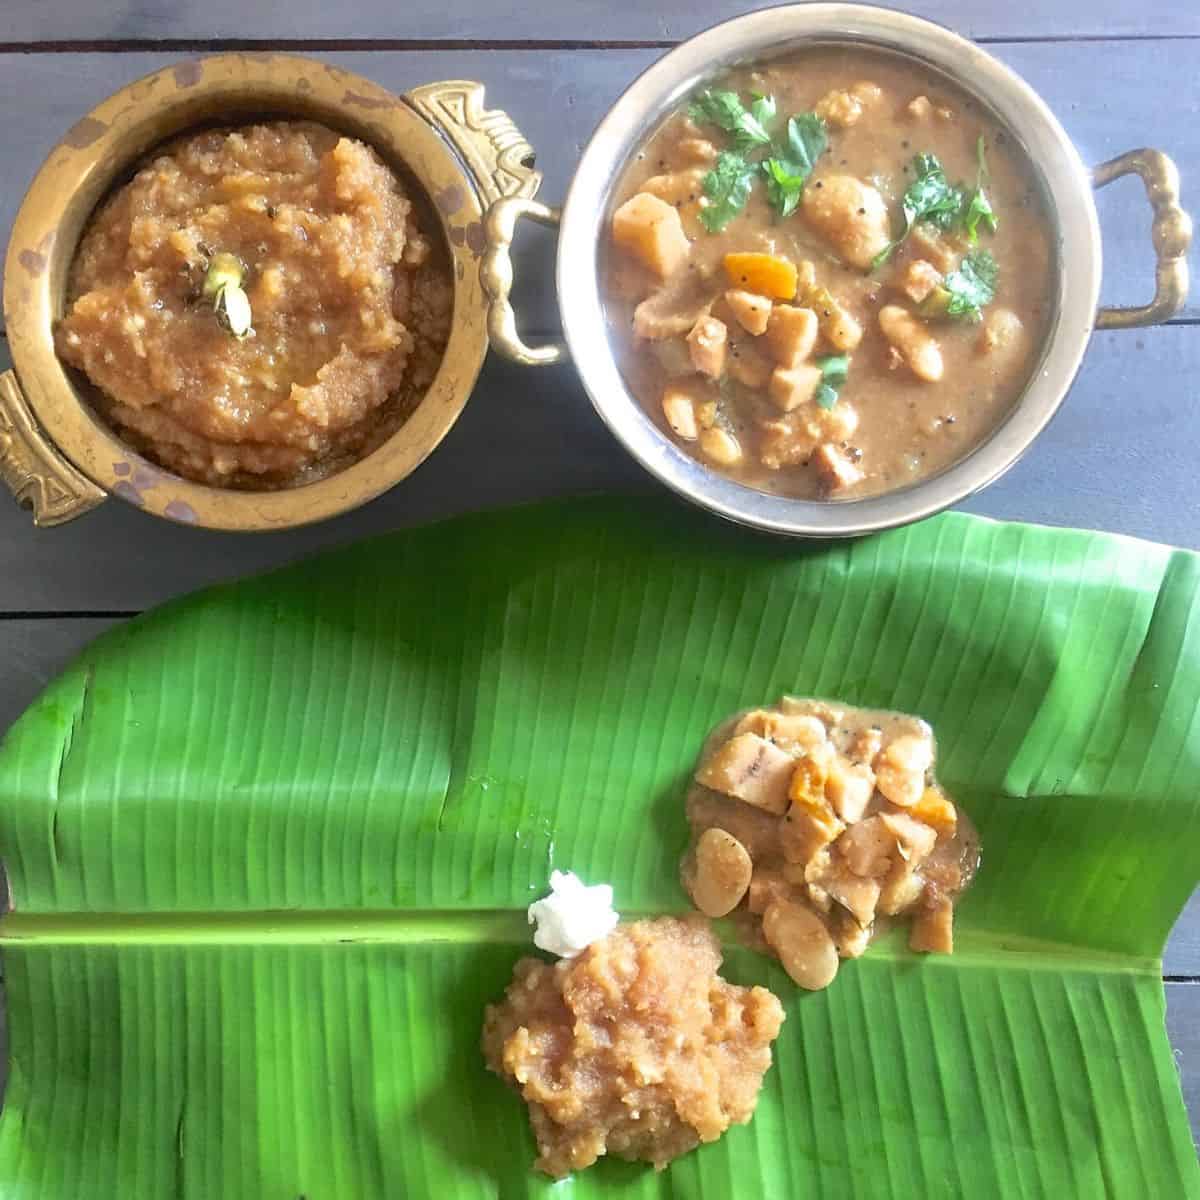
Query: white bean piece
<point x="1002" y="333"/>
<point x="720" y="447"/>
<point x="680" y="410"/>
<point x="902" y="788"/>
<point x="909" y="752"/>
<point x="803" y="943"/>
<point x="835" y="471"/>
<point x="722" y="874"/>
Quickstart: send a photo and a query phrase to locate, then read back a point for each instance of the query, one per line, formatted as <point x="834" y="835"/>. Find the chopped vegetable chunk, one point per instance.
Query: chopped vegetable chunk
<point x="791" y="387"/>
<point x="919" y="280"/>
<point x="917" y="346"/>
<point x="933" y="929"/>
<point x="751" y="769"/>
<point x="791" y="334"/>
<point x="835" y="469"/>
<point x="752" y="311"/>
<point x="838" y="327"/>
<point x="850" y="214"/>
<point x="707" y="342"/>
<point x="749" y="366"/>
<point x="936" y="810"/>
<point x="650" y="229"/>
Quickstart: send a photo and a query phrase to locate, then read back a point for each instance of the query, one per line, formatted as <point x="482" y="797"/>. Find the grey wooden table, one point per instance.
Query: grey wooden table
<point x="1121" y="455"/>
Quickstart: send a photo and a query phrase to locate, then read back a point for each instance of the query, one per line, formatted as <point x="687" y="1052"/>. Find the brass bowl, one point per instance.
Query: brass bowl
<point x="57" y="456"/>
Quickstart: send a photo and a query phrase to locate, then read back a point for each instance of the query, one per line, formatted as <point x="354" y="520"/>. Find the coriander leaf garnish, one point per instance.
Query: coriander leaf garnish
<point x="979" y="208"/>
<point x="834" y="370"/>
<point x="970" y="288"/>
<point x="790" y="165"/>
<point x="930" y="197"/>
<point x="786" y="163"/>
<point x="807" y="139"/>
<point x="717" y="108"/>
<point x="726" y="110"/>
<point x="727" y="187"/>
<point x="763" y="109"/>
<point x="784" y="184"/>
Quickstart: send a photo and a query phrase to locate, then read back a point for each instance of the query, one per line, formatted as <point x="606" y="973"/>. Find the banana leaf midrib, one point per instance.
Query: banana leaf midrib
<point x="495" y="925"/>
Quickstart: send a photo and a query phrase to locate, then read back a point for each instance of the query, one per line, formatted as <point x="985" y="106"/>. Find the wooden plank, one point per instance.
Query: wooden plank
<point x="557" y="97"/>
<point x="574" y="20"/>
<point x="1183" y="1029"/>
<point x="1119" y="456"/>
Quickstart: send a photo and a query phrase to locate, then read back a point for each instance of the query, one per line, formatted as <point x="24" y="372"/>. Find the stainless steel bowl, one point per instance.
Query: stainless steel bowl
<point x="1068" y="189"/>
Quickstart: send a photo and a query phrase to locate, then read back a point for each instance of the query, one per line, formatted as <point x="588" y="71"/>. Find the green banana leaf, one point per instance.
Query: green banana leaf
<point x="269" y="850"/>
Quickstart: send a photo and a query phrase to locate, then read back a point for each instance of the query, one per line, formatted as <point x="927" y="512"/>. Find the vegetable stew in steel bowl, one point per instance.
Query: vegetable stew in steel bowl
<point x="825" y="269"/>
<point x="828" y="275"/>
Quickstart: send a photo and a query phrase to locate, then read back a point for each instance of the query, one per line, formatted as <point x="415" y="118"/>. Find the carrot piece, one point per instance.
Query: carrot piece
<point x="765" y="274"/>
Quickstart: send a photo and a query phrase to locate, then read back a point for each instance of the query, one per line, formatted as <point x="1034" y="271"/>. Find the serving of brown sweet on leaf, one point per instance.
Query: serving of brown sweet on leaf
<point x="636" y="1048"/>
<point x="818" y="825"/>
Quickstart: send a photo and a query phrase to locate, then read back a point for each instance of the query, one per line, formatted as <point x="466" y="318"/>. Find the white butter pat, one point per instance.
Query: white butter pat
<point x="573" y="916"/>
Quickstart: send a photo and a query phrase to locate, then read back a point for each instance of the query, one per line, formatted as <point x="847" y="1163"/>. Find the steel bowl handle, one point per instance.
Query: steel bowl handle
<point x="1171" y="234"/>
<point x="32" y="467"/>
<point x="496" y="276"/>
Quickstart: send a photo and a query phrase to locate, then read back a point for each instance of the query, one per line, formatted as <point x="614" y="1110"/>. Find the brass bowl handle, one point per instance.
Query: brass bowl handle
<point x="32" y="467"/>
<point x="495" y="152"/>
<point x="496" y="275"/>
<point x="1171" y="234"/>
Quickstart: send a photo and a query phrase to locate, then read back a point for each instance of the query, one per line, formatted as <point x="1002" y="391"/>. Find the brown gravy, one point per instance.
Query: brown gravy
<point x="893" y="421"/>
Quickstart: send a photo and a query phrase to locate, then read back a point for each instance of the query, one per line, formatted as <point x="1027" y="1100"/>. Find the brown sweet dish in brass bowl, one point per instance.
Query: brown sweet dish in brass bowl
<point x="243" y="292"/>
<point x="258" y="307"/>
